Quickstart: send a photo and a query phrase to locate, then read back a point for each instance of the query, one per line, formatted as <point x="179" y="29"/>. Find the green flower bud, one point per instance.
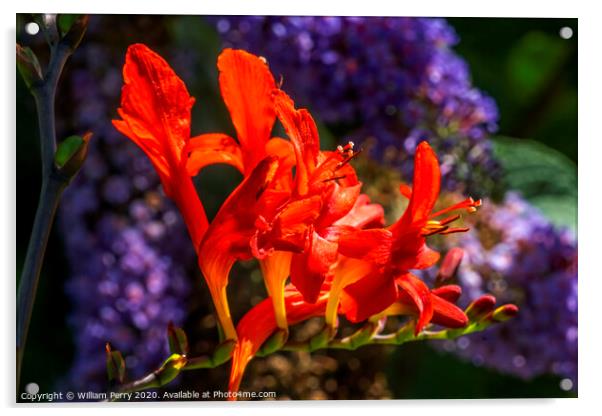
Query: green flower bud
<point x="171" y="368"/>
<point x="72" y="28"/>
<point x="223" y="352"/>
<point x="115" y="364"/>
<point x="178" y="341"/>
<point x="28" y="66"/>
<point x="71" y="153"/>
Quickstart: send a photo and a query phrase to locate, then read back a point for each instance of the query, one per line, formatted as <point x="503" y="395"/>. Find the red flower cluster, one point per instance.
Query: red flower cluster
<point x="299" y="210"/>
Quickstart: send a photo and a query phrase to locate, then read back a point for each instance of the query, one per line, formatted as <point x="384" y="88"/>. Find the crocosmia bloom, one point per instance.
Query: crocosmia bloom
<point x="298" y="210"/>
<point x="155" y="114"/>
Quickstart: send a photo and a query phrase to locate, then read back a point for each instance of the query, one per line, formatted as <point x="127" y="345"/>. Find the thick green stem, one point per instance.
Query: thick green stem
<point x="53" y="184"/>
<point x="52" y="189"/>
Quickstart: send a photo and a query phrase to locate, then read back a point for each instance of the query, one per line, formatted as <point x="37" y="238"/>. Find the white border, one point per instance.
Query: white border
<point x="590" y="94"/>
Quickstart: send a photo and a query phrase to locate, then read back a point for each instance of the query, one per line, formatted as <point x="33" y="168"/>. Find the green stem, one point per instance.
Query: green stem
<point x="53" y="184"/>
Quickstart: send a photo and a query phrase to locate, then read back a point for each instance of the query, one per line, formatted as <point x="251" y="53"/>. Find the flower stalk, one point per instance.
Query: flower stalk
<point x="54" y="182"/>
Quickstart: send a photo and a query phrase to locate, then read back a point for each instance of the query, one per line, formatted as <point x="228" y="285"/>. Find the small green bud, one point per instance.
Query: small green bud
<point x="178" y="341"/>
<point x="171" y="368"/>
<point x="72" y="29"/>
<point x="274" y="342"/>
<point x="322" y="338"/>
<point x="71" y="153"/>
<point x="115" y="364"/>
<point x="223" y="352"/>
<point x="28" y="65"/>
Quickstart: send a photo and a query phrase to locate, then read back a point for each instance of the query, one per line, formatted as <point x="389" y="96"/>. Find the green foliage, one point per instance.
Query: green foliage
<point x="544" y="176"/>
<point x="178" y="341"/>
<point x="65" y="21"/>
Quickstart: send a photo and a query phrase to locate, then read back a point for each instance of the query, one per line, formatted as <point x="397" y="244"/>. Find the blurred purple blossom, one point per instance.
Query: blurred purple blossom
<point x="388" y="82"/>
<point x="128" y="249"/>
<point x="516" y="254"/>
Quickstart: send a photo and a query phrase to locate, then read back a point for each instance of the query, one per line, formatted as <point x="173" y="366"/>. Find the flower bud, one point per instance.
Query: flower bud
<point x="223" y="352"/>
<point x="274" y="343"/>
<point x="450" y="293"/>
<point x="178" y="341"/>
<point x="170" y="368"/>
<point x="28" y="65"/>
<point x="115" y="364"/>
<point x="450" y="265"/>
<point x="504" y="313"/>
<point x="71" y="153"/>
<point x="72" y="29"/>
<point x="480" y="307"/>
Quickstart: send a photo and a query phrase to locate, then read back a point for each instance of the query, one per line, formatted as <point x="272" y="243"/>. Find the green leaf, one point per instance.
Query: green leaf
<point x="65" y="21"/>
<point x="28" y="65"/>
<point x="115" y="364"/>
<point x="545" y="177"/>
<point x="178" y="341"/>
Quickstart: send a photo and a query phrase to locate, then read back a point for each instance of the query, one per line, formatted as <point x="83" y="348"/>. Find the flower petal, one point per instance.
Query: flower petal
<point x="246" y="85"/>
<point x="426" y="183"/>
<point x="309" y="269"/>
<point x="228" y="237"/>
<point x="258" y="324"/>
<point x="212" y="148"/>
<point x="363" y="214"/>
<point x="368" y="296"/>
<point x="372" y="245"/>
<point x="420" y="294"/>
<point x="303" y="133"/>
<point x="155" y="111"/>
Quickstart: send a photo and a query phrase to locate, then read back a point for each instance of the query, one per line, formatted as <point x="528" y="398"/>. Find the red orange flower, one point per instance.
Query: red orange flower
<point x="155" y="114"/>
<point x="376" y="263"/>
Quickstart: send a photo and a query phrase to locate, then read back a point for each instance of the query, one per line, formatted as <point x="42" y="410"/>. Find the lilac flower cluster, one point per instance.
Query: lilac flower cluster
<point x="128" y="249"/>
<point x="388" y="82"/>
<point x="517" y="255"/>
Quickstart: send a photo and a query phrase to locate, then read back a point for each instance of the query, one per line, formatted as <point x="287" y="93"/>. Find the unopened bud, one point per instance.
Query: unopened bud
<point x="223" y="352"/>
<point x="274" y="343"/>
<point x="28" y="65"/>
<point x="72" y="29"/>
<point x="171" y="368"/>
<point x="450" y="265"/>
<point x="178" y="341"/>
<point x="450" y="293"/>
<point x="71" y="153"/>
<point x="504" y="313"/>
<point x="480" y="307"/>
<point x="115" y="364"/>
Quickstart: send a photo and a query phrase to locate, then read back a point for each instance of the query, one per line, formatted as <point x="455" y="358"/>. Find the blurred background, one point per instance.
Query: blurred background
<point x="496" y="98"/>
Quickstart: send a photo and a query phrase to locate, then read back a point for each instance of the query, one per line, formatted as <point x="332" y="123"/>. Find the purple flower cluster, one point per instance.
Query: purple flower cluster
<point x="517" y="255"/>
<point x="128" y="249"/>
<point x="388" y="82"/>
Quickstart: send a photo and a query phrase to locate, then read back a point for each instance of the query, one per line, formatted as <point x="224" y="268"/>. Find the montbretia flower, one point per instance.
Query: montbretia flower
<point x="260" y="322"/>
<point x="374" y="265"/>
<point x="155" y="115"/>
<point x="286" y="221"/>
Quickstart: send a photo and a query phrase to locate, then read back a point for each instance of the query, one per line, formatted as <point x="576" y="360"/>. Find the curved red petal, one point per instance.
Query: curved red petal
<point x="303" y="133"/>
<point x="155" y="111"/>
<point x="212" y="148"/>
<point x="368" y="296"/>
<point x="246" y="85"/>
<point x="420" y="295"/>
<point x="372" y="245"/>
<point x="259" y="323"/>
<point x="309" y="269"/>
<point x="228" y="237"/>
<point x="363" y="214"/>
